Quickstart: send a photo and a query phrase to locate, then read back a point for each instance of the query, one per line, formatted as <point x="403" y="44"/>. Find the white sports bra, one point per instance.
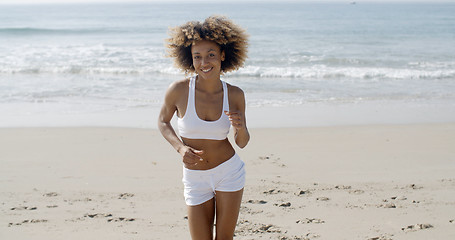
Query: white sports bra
<point x="191" y="126"/>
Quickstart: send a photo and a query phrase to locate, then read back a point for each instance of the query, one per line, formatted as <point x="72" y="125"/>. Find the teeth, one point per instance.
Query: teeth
<point x="207" y="70"/>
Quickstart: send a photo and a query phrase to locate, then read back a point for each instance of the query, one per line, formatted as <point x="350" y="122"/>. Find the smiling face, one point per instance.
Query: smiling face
<point x="207" y="57"/>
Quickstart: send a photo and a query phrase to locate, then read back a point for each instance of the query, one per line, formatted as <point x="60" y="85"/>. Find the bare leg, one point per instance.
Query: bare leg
<point x="227" y="213"/>
<point x="200" y="220"/>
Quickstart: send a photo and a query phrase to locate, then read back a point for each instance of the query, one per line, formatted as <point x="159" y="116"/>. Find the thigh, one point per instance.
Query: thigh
<point x="227" y="213"/>
<point x="200" y="220"/>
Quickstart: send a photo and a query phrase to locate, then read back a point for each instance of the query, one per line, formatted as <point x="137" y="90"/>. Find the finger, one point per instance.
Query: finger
<point x="189" y="154"/>
<point x="235" y="118"/>
<point x="196" y="157"/>
<point x="189" y="160"/>
<point x="198" y="152"/>
<point x="234" y="114"/>
<point x="192" y="160"/>
<point x="229" y="113"/>
<point x="189" y="164"/>
<point x="236" y="121"/>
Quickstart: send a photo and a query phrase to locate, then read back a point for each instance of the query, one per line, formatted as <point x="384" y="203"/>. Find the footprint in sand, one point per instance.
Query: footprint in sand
<point x="388" y="205"/>
<point x="414" y="186"/>
<point x="273" y="159"/>
<point x="23" y="208"/>
<point x="121" y="219"/>
<point x="110" y="216"/>
<point x="98" y="215"/>
<point x="323" y="199"/>
<point x="307" y="237"/>
<point x="72" y="201"/>
<point x="245" y="227"/>
<point x="28" y="221"/>
<point x="288" y="204"/>
<point x="358" y="191"/>
<point x="343" y="187"/>
<point x="310" y="220"/>
<point x="257" y="201"/>
<point x="272" y="191"/>
<point x="399" y="198"/>
<point x="383" y="237"/>
<point x="268" y="228"/>
<point x="125" y="195"/>
<point x="416" y="227"/>
<point x="303" y="193"/>
<point x="51" y="194"/>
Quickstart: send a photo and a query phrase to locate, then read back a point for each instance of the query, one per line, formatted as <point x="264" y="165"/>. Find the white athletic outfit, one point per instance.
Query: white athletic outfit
<point x="200" y="185"/>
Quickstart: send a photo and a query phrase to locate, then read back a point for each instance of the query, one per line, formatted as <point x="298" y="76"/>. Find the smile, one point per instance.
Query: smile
<point x="206" y="70"/>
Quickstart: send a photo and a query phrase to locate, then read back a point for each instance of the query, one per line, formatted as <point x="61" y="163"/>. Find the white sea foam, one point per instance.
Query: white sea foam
<point x="75" y="62"/>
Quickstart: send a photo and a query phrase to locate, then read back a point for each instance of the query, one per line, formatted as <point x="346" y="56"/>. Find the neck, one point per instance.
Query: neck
<point x="209" y="85"/>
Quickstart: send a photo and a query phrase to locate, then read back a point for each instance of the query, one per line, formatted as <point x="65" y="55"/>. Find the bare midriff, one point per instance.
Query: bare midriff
<point x="215" y="152"/>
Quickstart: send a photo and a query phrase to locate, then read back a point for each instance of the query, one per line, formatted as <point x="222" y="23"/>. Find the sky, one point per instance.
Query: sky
<point x="151" y="1"/>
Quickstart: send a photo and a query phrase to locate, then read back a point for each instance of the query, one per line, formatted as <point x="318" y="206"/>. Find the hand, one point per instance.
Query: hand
<point x="191" y="156"/>
<point x="236" y="119"/>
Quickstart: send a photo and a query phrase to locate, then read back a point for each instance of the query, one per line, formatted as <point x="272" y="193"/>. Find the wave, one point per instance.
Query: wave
<point x="315" y="72"/>
<point x="324" y="72"/>
<point x="91" y="70"/>
<point x="51" y="31"/>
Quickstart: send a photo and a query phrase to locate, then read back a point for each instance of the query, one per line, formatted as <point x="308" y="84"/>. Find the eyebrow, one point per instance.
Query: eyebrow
<point x="210" y="50"/>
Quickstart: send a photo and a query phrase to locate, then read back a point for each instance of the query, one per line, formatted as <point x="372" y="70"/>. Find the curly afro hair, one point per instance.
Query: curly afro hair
<point x="231" y="38"/>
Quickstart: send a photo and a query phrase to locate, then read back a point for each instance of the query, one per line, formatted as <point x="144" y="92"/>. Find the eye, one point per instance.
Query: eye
<point x="212" y="55"/>
<point x="196" y="57"/>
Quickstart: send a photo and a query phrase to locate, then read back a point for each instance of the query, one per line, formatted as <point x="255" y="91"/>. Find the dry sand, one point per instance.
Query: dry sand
<point x="346" y="182"/>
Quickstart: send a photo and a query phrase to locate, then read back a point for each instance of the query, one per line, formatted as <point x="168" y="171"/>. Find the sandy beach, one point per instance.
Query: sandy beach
<point x="371" y="182"/>
<point x="351" y="111"/>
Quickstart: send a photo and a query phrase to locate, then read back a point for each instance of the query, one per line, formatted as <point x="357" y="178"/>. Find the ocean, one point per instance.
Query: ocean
<point x="79" y="59"/>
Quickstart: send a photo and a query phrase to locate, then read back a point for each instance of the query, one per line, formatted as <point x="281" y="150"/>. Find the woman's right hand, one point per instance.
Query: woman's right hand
<point x="191" y="156"/>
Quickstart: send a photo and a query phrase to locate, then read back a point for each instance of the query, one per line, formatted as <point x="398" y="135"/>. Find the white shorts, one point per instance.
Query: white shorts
<point x="200" y="185"/>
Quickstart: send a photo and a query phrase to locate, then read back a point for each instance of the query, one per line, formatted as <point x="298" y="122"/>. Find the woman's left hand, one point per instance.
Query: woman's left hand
<point x="236" y="118"/>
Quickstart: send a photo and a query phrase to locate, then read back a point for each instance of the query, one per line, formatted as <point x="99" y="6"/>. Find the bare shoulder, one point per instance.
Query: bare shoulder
<point x="176" y="93"/>
<point x="179" y="86"/>
<point x="235" y="92"/>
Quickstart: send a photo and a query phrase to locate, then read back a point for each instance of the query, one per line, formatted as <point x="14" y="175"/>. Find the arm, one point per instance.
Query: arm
<point x="238" y="118"/>
<point x="164" y="120"/>
<point x="190" y="156"/>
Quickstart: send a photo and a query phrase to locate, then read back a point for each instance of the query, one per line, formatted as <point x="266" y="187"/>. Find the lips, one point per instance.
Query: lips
<point x="207" y="70"/>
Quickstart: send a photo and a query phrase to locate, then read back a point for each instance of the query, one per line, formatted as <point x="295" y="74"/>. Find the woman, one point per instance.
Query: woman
<point x="206" y="106"/>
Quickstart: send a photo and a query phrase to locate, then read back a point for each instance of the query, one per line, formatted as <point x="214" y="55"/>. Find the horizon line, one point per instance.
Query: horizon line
<point x="29" y="2"/>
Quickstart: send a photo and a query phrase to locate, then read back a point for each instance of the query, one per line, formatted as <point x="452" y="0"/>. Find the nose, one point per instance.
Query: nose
<point x="204" y="61"/>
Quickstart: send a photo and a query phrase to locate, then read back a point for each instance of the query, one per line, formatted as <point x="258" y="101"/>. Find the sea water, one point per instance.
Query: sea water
<point x="79" y="59"/>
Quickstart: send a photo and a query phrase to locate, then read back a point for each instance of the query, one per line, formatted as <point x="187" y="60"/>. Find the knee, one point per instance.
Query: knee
<point x="224" y="237"/>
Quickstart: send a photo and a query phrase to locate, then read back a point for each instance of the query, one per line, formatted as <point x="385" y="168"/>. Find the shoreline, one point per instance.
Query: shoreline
<point x="306" y="115"/>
